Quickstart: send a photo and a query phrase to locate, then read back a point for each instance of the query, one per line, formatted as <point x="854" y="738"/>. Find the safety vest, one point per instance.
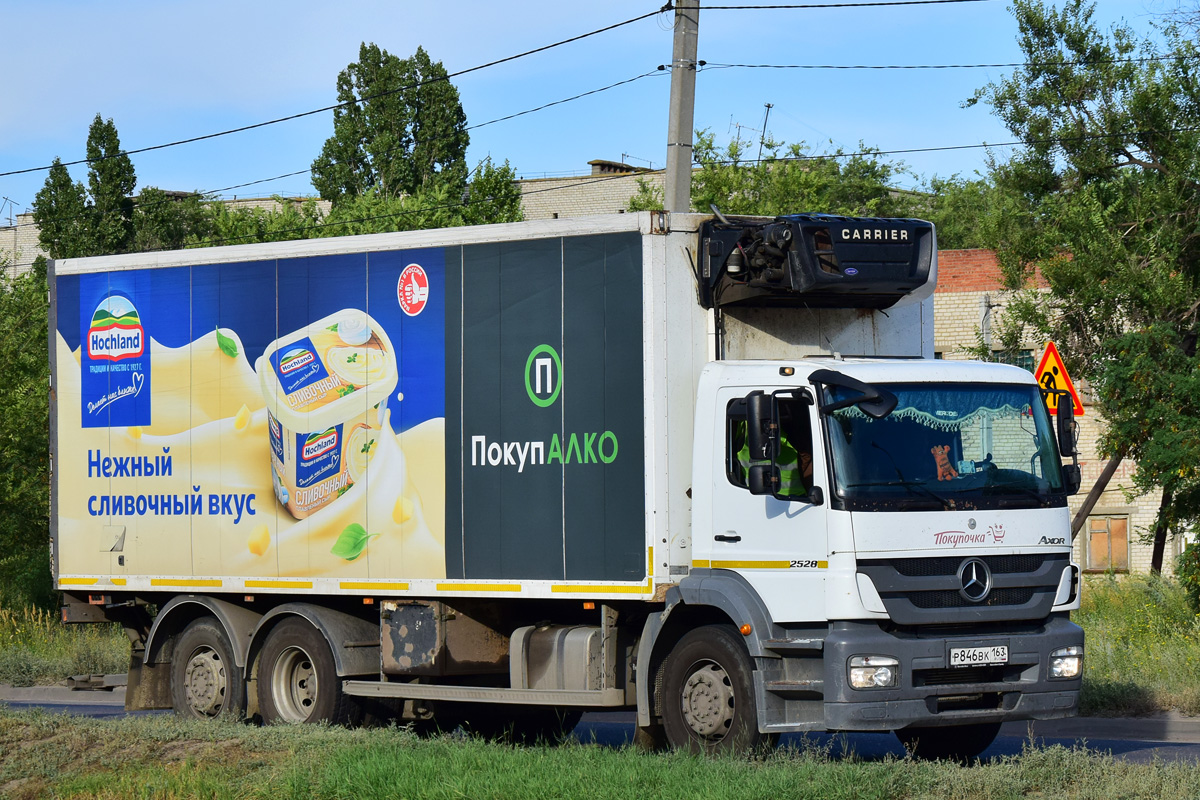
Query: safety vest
<point x="791" y="481"/>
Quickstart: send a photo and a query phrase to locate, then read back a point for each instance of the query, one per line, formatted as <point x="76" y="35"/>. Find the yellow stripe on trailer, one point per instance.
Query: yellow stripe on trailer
<point x="374" y="586"/>
<point x="279" y="584"/>
<point x="567" y="588"/>
<point x="479" y="587"/>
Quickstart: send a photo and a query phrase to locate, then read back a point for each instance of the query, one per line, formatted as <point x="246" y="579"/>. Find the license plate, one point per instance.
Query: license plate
<point x="979" y="656"/>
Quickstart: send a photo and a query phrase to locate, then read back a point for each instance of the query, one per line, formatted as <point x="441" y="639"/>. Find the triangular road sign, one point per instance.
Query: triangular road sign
<point x="1052" y="376"/>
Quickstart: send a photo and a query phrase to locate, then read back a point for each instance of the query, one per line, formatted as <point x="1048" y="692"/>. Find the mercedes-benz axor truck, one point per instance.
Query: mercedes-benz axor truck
<point x="700" y="468"/>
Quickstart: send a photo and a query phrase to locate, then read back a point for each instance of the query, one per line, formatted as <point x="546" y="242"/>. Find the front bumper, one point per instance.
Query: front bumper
<point x="931" y="693"/>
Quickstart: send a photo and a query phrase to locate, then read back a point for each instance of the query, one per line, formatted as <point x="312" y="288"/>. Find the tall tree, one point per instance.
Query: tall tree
<point x="60" y="210"/>
<point x="105" y="217"/>
<point x="402" y="127"/>
<point x="1106" y="202"/>
<point x="111" y="181"/>
<point x="24" y="442"/>
<point x="76" y="222"/>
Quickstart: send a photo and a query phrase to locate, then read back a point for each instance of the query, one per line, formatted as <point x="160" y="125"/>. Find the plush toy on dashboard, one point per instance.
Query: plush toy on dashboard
<point x="946" y="470"/>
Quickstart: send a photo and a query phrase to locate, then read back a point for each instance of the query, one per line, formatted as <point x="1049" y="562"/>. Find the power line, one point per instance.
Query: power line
<point x="654" y="72"/>
<point x="302" y="114"/>
<point x="1018" y="143"/>
<point x="843" y="5"/>
<point x="1094" y="62"/>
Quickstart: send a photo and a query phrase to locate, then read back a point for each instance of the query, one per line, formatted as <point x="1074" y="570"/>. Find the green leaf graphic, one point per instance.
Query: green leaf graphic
<point x="352" y="542"/>
<point x="228" y="346"/>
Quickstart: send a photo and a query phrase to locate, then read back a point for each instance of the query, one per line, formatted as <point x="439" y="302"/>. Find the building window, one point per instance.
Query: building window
<point x="1108" y="544"/>
<point x="1018" y="358"/>
<point x="939" y="355"/>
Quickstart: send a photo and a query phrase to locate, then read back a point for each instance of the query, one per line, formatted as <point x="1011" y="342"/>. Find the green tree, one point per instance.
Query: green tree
<point x="169" y="220"/>
<point x="111" y="181"/>
<point x="105" y="218"/>
<point x="61" y="212"/>
<point x="24" y="442"/>
<point x="965" y="212"/>
<point x="1105" y="201"/>
<point x="786" y="179"/>
<point x="402" y="127"/>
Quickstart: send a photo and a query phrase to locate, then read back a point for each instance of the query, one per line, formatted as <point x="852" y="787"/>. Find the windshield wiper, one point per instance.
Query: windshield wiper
<point x="914" y="487"/>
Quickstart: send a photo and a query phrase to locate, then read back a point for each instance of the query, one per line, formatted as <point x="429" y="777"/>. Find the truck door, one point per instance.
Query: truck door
<point x="778" y="543"/>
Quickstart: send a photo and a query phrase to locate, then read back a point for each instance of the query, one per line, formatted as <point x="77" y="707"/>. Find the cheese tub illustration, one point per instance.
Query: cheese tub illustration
<point x="326" y="387"/>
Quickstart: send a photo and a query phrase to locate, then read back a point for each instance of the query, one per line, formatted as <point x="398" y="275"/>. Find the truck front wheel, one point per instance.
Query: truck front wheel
<point x="205" y="680"/>
<point x="298" y="680"/>
<point x="958" y="743"/>
<point x="708" y="694"/>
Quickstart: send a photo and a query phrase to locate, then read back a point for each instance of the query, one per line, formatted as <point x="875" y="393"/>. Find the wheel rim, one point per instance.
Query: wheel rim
<point x="205" y="682"/>
<point x="707" y="701"/>
<point x="294" y="685"/>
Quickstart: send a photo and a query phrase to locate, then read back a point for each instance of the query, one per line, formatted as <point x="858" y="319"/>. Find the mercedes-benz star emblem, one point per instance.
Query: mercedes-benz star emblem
<point x="975" y="579"/>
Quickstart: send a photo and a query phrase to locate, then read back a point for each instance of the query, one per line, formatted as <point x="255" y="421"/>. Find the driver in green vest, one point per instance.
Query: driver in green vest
<point x="795" y="464"/>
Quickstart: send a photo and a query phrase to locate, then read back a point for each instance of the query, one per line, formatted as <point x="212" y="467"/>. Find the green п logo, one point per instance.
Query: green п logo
<point x="543" y="376"/>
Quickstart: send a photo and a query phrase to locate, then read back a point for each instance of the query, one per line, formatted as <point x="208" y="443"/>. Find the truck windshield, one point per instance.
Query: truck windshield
<point x="946" y="446"/>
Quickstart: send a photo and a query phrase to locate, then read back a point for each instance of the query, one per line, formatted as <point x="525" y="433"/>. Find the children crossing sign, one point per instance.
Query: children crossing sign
<point x="1052" y="376"/>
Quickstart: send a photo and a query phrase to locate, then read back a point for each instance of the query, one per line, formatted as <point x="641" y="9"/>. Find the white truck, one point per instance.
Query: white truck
<point x="704" y="469"/>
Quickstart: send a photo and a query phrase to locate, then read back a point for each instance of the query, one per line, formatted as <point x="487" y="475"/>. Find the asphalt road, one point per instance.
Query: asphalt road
<point x="1168" y="737"/>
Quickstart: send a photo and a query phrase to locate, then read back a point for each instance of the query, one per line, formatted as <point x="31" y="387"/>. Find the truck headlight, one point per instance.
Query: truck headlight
<point x="1066" y="662"/>
<point x="874" y="672"/>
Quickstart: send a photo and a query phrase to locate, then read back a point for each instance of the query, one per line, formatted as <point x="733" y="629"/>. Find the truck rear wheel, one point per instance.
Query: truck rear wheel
<point x="298" y="680"/>
<point x="708" y="694"/>
<point x="958" y="743"/>
<point x="205" y="680"/>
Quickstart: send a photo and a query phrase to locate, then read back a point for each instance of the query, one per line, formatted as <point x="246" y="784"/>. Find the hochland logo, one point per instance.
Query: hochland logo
<point x="295" y="359"/>
<point x="318" y="444"/>
<point x="543" y="376"/>
<point x="116" y="331"/>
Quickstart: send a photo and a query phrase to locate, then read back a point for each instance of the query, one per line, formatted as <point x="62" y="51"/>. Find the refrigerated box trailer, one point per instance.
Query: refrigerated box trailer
<point x="701" y="468"/>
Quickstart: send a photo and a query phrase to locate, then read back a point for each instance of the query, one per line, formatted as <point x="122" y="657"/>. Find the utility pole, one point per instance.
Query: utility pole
<point x="763" y="133"/>
<point x="677" y="195"/>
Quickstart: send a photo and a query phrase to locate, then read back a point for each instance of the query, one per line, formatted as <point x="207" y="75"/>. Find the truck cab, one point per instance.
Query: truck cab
<point x="914" y="574"/>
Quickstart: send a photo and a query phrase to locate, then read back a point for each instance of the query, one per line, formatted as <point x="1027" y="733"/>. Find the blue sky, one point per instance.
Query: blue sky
<point x="165" y="71"/>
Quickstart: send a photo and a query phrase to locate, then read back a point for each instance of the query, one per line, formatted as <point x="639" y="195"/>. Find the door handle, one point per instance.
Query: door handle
<point x="720" y="537"/>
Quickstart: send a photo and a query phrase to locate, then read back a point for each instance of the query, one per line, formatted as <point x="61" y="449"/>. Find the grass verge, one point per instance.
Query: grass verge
<point x="36" y="648"/>
<point x="1142" y="647"/>
<point x="55" y="755"/>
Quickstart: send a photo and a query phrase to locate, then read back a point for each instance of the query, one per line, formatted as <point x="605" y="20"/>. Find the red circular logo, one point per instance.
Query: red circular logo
<point x="413" y="290"/>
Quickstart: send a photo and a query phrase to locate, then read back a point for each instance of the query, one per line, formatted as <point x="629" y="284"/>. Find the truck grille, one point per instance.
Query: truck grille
<point x="958" y="677"/>
<point x="999" y="565"/>
<point x="922" y="591"/>
<point x="948" y="598"/>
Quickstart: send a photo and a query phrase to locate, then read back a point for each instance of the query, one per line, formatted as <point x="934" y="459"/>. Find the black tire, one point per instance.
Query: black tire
<point x="298" y="680"/>
<point x="708" y="694"/>
<point x="206" y="682"/>
<point x="960" y="743"/>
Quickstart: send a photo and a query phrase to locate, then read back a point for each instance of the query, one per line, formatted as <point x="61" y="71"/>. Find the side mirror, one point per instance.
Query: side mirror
<point x="762" y="427"/>
<point x="1066" y="424"/>
<point x="763" y="479"/>
<point x="1072" y="478"/>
